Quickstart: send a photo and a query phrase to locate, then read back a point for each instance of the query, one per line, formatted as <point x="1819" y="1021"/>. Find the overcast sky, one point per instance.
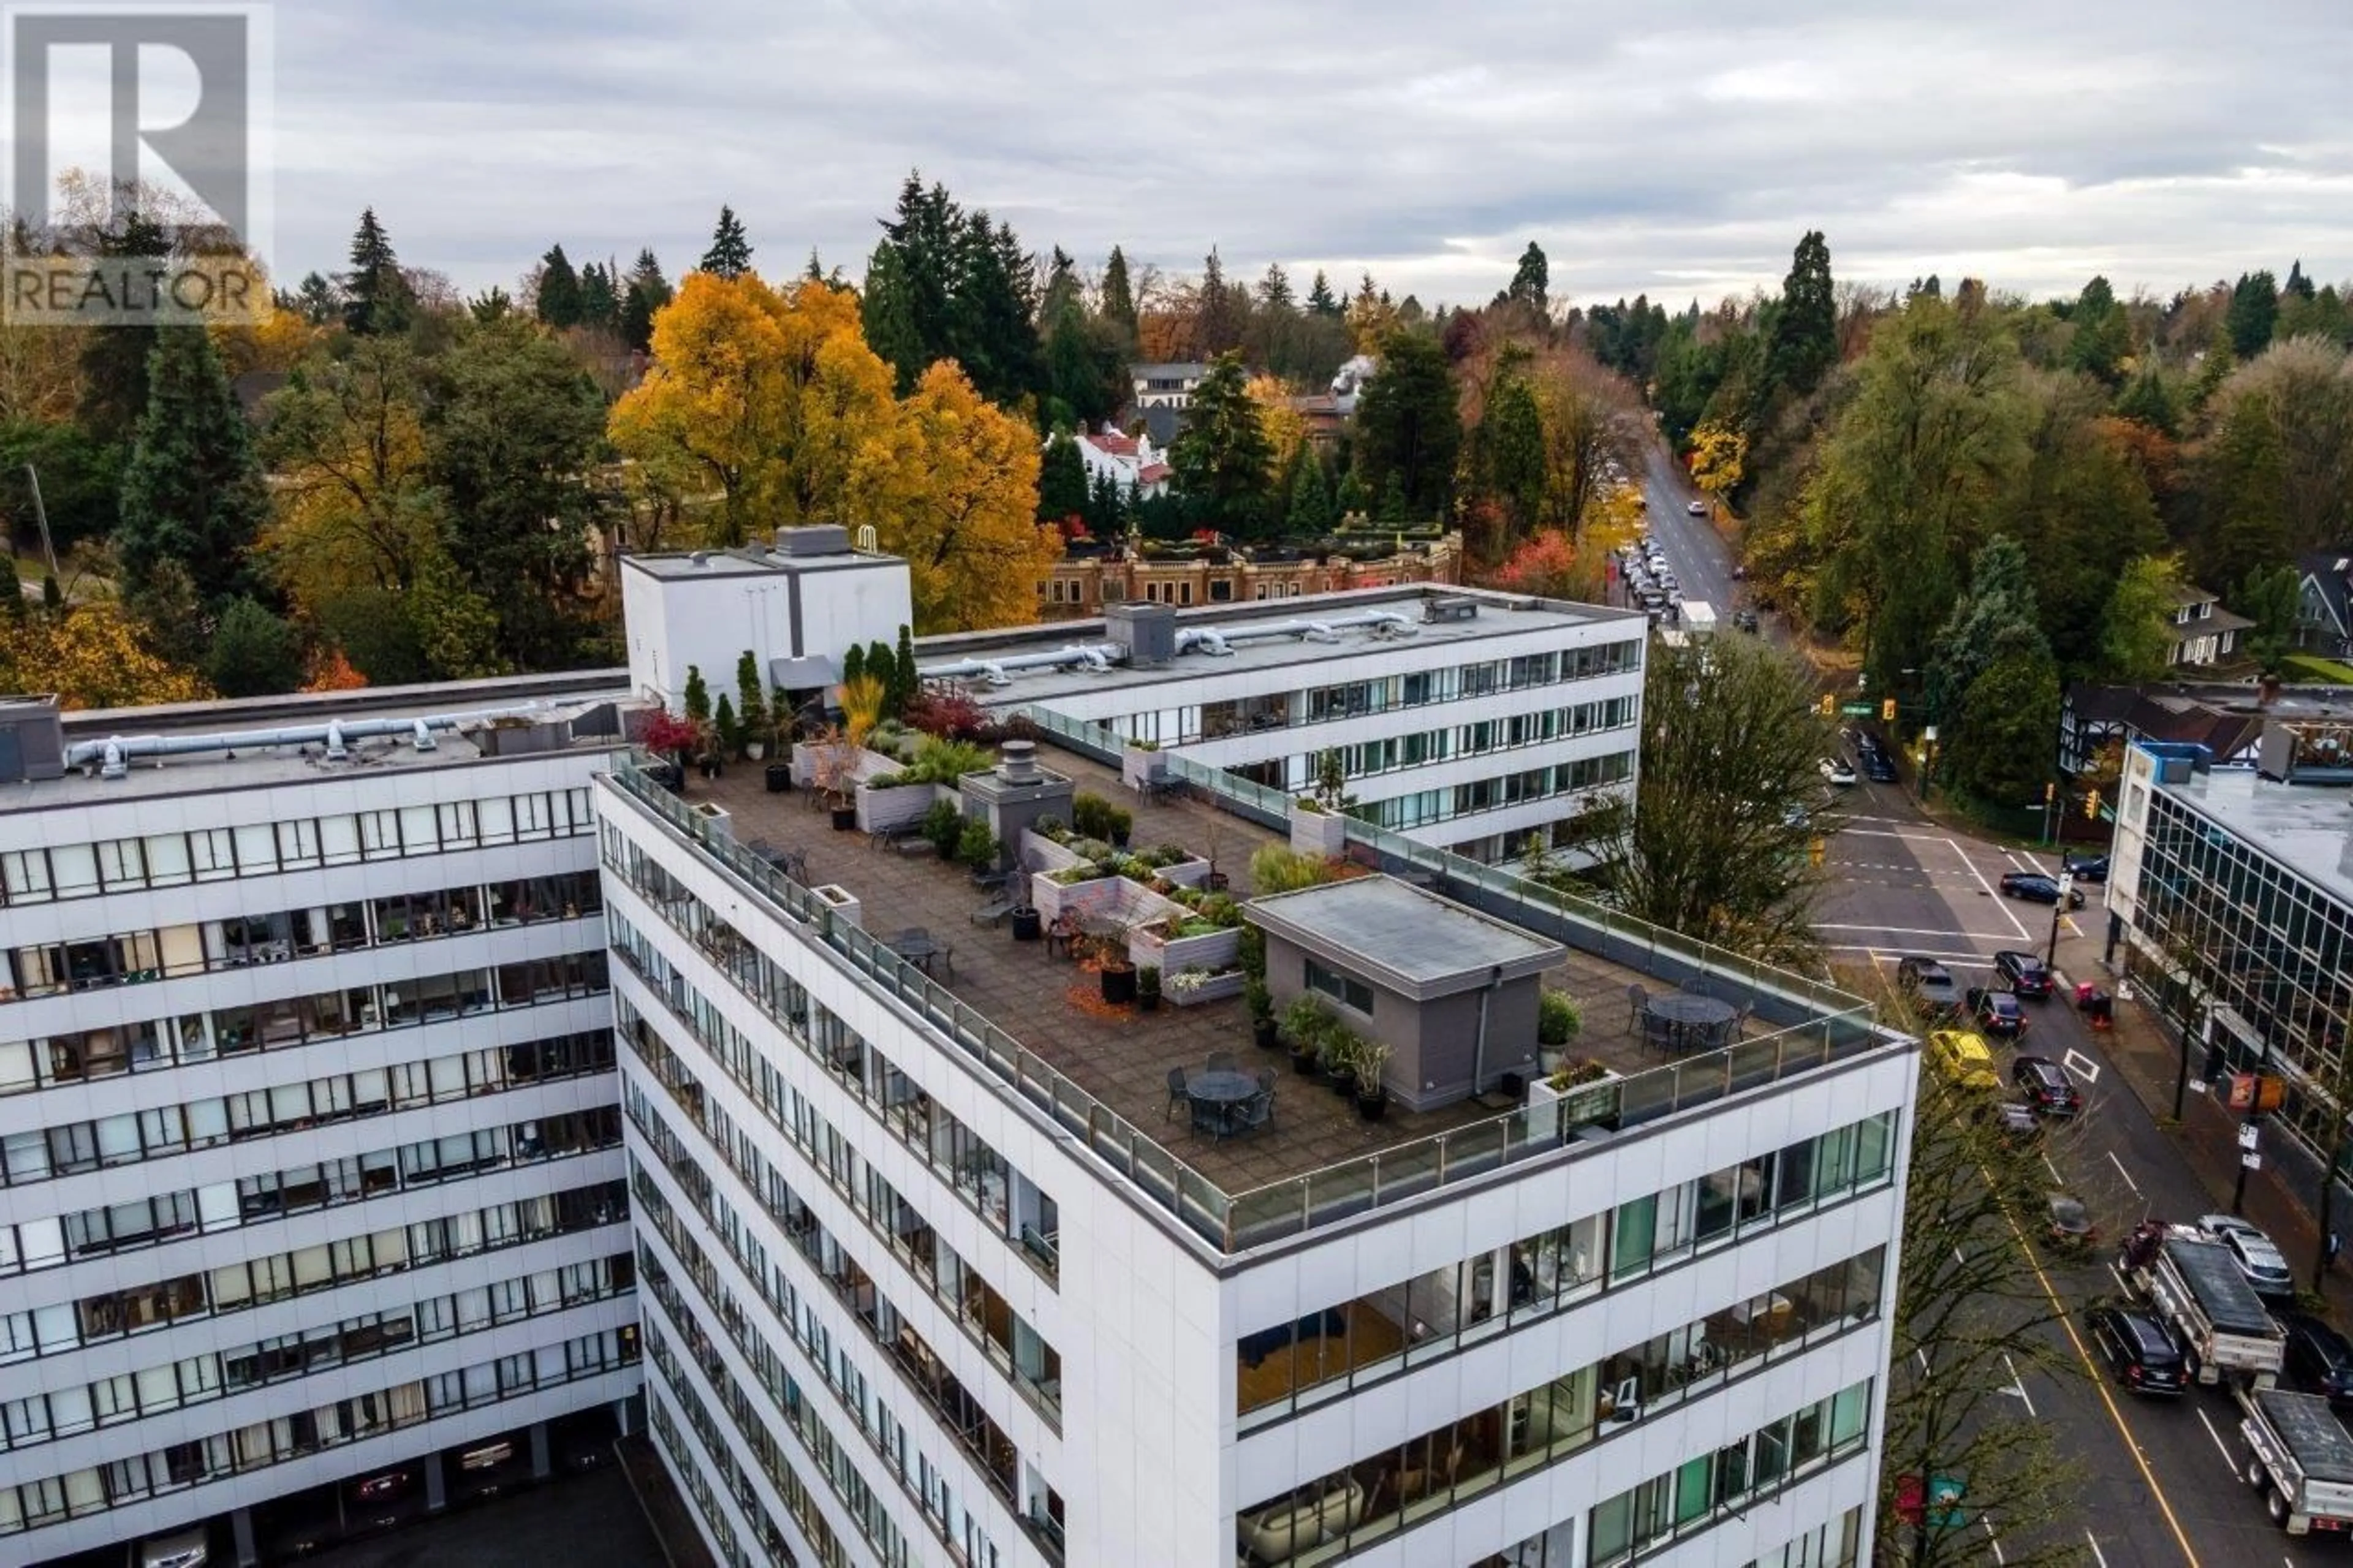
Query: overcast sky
<point x="1677" y="147"/>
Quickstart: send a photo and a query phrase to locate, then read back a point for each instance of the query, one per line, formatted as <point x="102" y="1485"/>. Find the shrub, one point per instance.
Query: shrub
<point x="1123" y="823"/>
<point x="944" y="826"/>
<point x="1147" y="980"/>
<point x="1092" y="816"/>
<point x="978" y="847"/>
<point x="1052" y="827"/>
<point x="1558" y="1018"/>
<point x="943" y="761"/>
<point x="1142" y="745"/>
<point x="1306" y="1022"/>
<point x="1252" y="945"/>
<point x="950" y="714"/>
<point x="1258" y="999"/>
<point x="1277" y="869"/>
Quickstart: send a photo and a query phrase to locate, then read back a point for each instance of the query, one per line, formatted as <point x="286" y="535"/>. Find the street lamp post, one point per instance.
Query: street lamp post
<point x="2251" y="1129"/>
<point x="1927" y="758"/>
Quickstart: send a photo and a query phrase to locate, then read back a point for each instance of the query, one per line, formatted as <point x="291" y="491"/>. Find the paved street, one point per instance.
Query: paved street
<point x="2163" y="1483"/>
<point x="1701" y="559"/>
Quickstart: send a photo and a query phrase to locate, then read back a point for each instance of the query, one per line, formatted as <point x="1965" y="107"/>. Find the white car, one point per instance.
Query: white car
<point x="1697" y="508"/>
<point x="2262" y="1262"/>
<point x="1838" y="771"/>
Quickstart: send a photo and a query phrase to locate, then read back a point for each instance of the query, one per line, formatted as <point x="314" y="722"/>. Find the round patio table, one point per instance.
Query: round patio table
<point x="1216" y="1095"/>
<point x="1693" y="1020"/>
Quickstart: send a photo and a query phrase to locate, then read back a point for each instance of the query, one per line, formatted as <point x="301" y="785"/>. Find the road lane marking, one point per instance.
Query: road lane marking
<point x="1988" y="887"/>
<point x="1993" y="1538"/>
<point x="1945" y="931"/>
<point x="2119" y="1164"/>
<point x="2220" y="1447"/>
<point x="2082" y="1066"/>
<point x="2018" y="1384"/>
<point x="2122" y="1283"/>
<point x="2054" y="1169"/>
<point x="2098" y="1555"/>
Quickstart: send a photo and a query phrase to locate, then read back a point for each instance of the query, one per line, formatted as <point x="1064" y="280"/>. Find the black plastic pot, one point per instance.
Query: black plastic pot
<point x="1373" y="1108"/>
<point x="1027" y="926"/>
<point x="1263" y="1031"/>
<point x="780" y="777"/>
<point x="1119" y="986"/>
<point x="844" y="817"/>
<point x="1149" y="1003"/>
<point x="1303" y="1063"/>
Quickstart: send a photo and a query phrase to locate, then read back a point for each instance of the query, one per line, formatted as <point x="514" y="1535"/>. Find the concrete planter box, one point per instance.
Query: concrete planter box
<point x="1186" y="873"/>
<point x="841" y="902"/>
<point x="717" y="825"/>
<point x="1215" y="988"/>
<point x="1040" y="853"/>
<point x="896" y="809"/>
<point x="1318" y="833"/>
<point x="1212" y="950"/>
<point x="1138" y="767"/>
<point x="1102" y="899"/>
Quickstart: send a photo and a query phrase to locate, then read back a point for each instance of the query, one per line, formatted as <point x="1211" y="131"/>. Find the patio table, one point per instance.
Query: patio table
<point x="1692" y="1021"/>
<point x="1216" y="1095"/>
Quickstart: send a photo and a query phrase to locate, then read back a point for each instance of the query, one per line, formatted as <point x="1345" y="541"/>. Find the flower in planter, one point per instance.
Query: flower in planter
<point x="1575" y="1073"/>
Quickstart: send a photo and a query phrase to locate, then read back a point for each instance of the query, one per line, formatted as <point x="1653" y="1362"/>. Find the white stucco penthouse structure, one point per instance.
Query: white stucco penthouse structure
<point x="310" y="1149"/>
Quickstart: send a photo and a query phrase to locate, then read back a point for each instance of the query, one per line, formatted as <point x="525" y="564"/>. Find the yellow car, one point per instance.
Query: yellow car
<point x="1964" y="1059"/>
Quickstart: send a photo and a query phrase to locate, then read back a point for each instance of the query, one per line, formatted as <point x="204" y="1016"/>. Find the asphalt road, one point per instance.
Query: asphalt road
<point x="2162" y="1484"/>
<point x="1701" y="559"/>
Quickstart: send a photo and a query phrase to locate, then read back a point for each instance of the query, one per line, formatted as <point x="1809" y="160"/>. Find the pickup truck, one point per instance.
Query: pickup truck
<point x="2193" y="1284"/>
<point x="2300" y="1461"/>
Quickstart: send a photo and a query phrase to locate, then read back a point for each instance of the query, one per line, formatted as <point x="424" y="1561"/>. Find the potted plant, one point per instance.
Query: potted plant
<point x="1118" y="977"/>
<point x="1123" y="823"/>
<point x="671" y="737"/>
<point x="1372" y="1102"/>
<point x="943" y="828"/>
<point x="751" y="706"/>
<point x="1305" y="1024"/>
<point x="1260" y="1003"/>
<point x="977" y="847"/>
<point x="1558" y="1021"/>
<point x="1338" y="1058"/>
<point x="834" y="765"/>
<point x="1148" y="988"/>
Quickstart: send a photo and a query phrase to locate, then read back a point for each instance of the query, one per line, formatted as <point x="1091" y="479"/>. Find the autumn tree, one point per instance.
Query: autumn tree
<point x="192" y="491"/>
<point x="1223" y="460"/>
<point x="707" y="415"/>
<point x="351" y="506"/>
<point x="728" y="257"/>
<point x="1718" y="458"/>
<point x="952" y="488"/>
<point x="90" y="655"/>
<point x="1546" y="564"/>
<point x="2275" y="469"/>
<point x="2136" y="628"/>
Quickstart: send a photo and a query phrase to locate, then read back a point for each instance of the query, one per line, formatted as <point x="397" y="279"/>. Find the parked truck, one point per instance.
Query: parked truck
<point x="2194" y="1284"/>
<point x="1699" y="618"/>
<point x="2300" y="1461"/>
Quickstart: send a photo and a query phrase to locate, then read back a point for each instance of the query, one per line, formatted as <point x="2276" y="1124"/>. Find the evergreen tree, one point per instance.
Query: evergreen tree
<point x="2255" y="310"/>
<point x="646" y="293"/>
<point x="192" y="491"/>
<point x="2102" y="336"/>
<point x="377" y="296"/>
<point x="255" y="653"/>
<point x="1409" y="423"/>
<point x="908" y="680"/>
<point x="945" y="283"/>
<point x="1393" y="503"/>
<point x="559" y="291"/>
<point x="1118" y="293"/>
<point x="730" y="255"/>
<point x="1106" y="507"/>
<point x="697" y="699"/>
<point x="1062" y="480"/>
<point x="2146" y="401"/>
<point x="1310" y="514"/>
<point x="1531" y="282"/>
<point x="2297" y="287"/>
<point x="1805" y="327"/>
<point x="493" y="304"/>
<point x="751" y="696"/>
<point x="1348" y="498"/>
<point x="600" y="297"/>
<point x="882" y="668"/>
<point x="316" y="301"/>
<point x="114" y="359"/>
<point x="1217" y="323"/>
<point x="1320" y="300"/>
<point x="2214" y="368"/>
<point x="853" y="663"/>
<point x="1222" y="456"/>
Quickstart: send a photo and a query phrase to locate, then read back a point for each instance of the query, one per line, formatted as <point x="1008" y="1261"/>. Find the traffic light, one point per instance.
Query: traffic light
<point x="1829" y="705"/>
<point x="1887" y="710"/>
<point x="2092" y="806"/>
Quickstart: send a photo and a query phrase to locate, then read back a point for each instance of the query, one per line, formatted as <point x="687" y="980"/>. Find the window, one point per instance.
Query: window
<point x="1345" y="989"/>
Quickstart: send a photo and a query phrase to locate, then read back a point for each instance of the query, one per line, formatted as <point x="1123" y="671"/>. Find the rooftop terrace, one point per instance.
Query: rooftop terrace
<point x="1101" y="1072"/>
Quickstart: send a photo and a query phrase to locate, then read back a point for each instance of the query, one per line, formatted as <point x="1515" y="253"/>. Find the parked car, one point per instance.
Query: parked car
<point x="2320" y="1359"/>
<point x="2086" y="867"/>
<point x="1997" y="1012"/>
<point x="2262" y="1263"/>
<point x="2139" y="1349"/>
<point x="1963" y="1058"/>
<point x="1838" y="771"/>
<point x="2025" y="974"/>
<point x="2069" y="1227"/>
<point x="2014" y="1122"/>
<point x="1930" y="984"/>
<point x="2048" y="1088"/>
<point x="1745" y="619"/>
<point x="1697" y="508"/>
<point x="2039" y="887"/>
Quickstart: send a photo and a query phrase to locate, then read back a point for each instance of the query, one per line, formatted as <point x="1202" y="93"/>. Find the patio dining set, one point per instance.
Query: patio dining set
<point x="1223" y="1100"/>
<point x="1688" y="1019"/>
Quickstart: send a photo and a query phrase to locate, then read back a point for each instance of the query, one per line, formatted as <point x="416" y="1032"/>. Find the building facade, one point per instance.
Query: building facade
<point x="309" y="1128"/>
<point x="1086" y="581"/>
<point x="2231" y="896"/>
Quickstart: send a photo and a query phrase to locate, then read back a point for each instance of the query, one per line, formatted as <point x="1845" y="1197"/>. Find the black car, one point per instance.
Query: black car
<point x="2025" y="974"/>
<point x="1929" y="984"/>
<point x="2319" y="1359"/>
<point x="2138" y="1351"/>
<point x="1997" y="1012"/>
<point x="2048" y="1088"/>
<point x="2086" y="867"/>
<point x="2038" y="888"/>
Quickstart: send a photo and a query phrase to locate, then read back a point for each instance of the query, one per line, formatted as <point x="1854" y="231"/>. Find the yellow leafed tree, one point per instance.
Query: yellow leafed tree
<point x="1285" y="430"/>
<point x="951" y="486"/>
<point x="1718" y="456"/>
<point x="91" y="657"/>
<point x="707" y="417"/>
<point x="834" y="395"/>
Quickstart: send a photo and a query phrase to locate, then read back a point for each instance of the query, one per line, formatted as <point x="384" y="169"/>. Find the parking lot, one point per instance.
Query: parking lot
<point x="588" y="1520"/>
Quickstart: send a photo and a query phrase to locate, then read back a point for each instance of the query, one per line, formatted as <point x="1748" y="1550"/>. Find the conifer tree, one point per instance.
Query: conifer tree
<point x="376" y="297"/>
<point x="192" y="491"/>
<point x="1320" y="300"/>
<point x="559" y="291"/>
<point x="1119" y="293"/>
<point x="1062" y="480"/>
<point x="1310" y="515"/>
<point x="730" y="255"/>
<point x="646" y="293"/>
<point x="909" y="682"/>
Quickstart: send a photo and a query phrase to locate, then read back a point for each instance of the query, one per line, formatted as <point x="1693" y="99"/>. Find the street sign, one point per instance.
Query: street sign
<point x="2247" y="1135"/>
<point x="2252" y="1160"/>
<point x="1855" y="710"/>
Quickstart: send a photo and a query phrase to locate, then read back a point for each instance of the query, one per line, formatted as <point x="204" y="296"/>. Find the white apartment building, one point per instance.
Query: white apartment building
<point x="931" y="1273"/>
<point x="1465" y="720"/>
<point x="310" y="1174"/>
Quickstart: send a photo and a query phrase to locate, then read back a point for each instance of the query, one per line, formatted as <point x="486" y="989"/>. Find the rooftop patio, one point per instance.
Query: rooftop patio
<point x="1053" y="1004"/>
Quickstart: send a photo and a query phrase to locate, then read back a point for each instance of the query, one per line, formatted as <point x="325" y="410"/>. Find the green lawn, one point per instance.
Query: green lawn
<point x="2308" y="668"/>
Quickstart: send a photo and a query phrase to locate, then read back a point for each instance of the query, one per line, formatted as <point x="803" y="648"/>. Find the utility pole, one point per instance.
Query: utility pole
<point x="2058" y="914"/>
<point x="2250" y="1134"/>
<point x="41" y="516"/>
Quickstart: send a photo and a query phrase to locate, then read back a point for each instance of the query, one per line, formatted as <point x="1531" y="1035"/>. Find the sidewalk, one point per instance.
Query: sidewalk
<point x="2282" y="1198"/>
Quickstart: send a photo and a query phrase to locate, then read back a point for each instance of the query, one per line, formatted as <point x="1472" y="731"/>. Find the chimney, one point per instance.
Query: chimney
<point x="1016" y="761"/>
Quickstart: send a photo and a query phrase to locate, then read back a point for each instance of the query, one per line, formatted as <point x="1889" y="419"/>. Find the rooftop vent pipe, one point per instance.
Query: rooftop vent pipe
<point x="1096" y="658"/>
<point x="115" y="753"/>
